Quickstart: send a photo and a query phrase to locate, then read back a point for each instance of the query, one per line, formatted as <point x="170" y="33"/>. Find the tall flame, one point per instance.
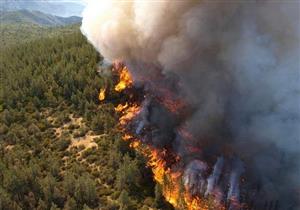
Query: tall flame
<point x="171" y="181"/>
<point x="125" y="79"/>
<point x="129" y="113"/>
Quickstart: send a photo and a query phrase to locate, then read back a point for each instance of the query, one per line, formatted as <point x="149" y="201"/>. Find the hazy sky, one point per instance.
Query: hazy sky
<point x="75" y="1"/>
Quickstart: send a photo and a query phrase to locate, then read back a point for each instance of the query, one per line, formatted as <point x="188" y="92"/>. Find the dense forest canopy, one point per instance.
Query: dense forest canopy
<point x="60" y="147"/>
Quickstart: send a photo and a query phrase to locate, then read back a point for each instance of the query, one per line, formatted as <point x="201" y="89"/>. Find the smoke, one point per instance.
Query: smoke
<point x="238" y="66"/>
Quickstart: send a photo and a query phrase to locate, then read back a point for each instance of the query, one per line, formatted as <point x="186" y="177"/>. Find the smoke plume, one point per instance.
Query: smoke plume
<point x="238" y="67"/>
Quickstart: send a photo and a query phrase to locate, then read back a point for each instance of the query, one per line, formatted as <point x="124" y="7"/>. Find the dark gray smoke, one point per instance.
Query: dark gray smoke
<point x="237" y="66"/>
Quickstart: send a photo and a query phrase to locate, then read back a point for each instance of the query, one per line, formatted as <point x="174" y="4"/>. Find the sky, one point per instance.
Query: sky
<point x="69" y="1"/>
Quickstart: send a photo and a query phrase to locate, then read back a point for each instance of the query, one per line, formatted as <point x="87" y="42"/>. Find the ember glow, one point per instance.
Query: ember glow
<point x="164" y="163"/>
<point x="102" y="94"/>
<point x="121" y="107"/>
<point x="129" y="113"/>
<point x="211" y="96"/>
<point x="125" y="79"/>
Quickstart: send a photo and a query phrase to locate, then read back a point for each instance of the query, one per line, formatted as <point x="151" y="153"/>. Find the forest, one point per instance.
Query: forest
<point x="60" y="146"/>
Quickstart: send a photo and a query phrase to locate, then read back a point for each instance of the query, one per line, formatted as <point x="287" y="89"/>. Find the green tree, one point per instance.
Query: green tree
<point x="124" y="200"/>
<point x="85" y="191"/>
<point x="128" y="175"/>
<point x="48" y="185"/>
<point x="86" y="207"/>
<point x="70" y="204"/>
<point x="69" y="183"/>
<point x="54" y="207"/>
<point x="158" y="202"/>
<point x="41" y="205"/>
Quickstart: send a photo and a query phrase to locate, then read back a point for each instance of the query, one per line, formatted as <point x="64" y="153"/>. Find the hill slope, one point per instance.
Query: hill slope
<point x="16" y="34"/>
<point x="60" y="148"/>
<point x="36" y="17"/>
<point x="60" y="8"/>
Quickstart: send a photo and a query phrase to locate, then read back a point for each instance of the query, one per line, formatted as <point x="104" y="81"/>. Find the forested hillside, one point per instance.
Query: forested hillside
<point x="55" y="7"/>
<point x="23" y="26"/>
<point x="60" y="147"/>
<point x="16" y="34"/>
<point x="35" y="17"/>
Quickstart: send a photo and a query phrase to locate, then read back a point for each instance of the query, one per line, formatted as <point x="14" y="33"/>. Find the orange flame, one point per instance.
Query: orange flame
<point x="173" y="190"/>
<point x="125" y="79"/>
<point x="134" y="144"/>
<point x="129" y="114"/>
<point x="101" y="96"/>
<point x="157" y="165"/>
<point x="127" y="137"/>
<point x="121" y="107"/>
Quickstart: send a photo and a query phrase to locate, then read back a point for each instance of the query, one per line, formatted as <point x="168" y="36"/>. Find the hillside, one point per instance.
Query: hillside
<point x="60" y="147"/>
<point x="16" y="34"/>
<point x="36" y="17"/>
<point x="24" y="26"/>
<point x="59" y="8"/>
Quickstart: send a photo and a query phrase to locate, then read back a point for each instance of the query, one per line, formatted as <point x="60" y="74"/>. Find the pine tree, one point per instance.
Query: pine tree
<point x="41" y="205"/>
<point x="54" y="207"/>
<point x="124" y="200"/>
<point x="158" y="196"/>
<point x="70" y="204"/>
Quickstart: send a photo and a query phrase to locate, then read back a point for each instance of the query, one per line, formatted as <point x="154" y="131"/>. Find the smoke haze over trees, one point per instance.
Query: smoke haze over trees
<point x="238" y="64"/>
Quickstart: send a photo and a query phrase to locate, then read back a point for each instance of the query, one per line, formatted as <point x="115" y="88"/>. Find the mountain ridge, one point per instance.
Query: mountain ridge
<point x="63" y="9"/>
<point x="36" y="17"/>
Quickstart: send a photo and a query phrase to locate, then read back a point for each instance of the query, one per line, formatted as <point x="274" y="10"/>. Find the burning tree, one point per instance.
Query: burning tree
<point x="184" y="186"/>
<point x="210" y="96"/>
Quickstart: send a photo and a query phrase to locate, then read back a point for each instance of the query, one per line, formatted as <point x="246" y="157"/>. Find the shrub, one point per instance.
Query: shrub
<point x="62" y="144"/>
<point x="80" y="133"/>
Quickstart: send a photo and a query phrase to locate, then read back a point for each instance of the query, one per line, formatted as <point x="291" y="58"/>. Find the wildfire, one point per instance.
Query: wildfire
<point x="127" y="137"/>
<point x="129" y="114"/>
<point x="125" y="79"/>
<point x="121" y="107"/>
<point x="135" y="144"/>
<point x="158" y="159"/>
<point x="102" y="94"/>
<point x="158" y="166"/>
<point x="172" y="105"/>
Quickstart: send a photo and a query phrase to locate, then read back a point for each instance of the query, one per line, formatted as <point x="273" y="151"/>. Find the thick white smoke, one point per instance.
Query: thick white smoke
<point x="239" y="65"/>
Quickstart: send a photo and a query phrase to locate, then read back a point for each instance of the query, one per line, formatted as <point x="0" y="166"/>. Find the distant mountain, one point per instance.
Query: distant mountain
<point x="58" y="8"/>
<point x="36" y="17"/>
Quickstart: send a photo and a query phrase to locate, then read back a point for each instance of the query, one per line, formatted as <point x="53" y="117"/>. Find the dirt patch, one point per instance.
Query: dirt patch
<point x="9" y="147"/>
<point x="87" y="141"/>
<point x="58" y="131"/>
<point x="76" y="121"/>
